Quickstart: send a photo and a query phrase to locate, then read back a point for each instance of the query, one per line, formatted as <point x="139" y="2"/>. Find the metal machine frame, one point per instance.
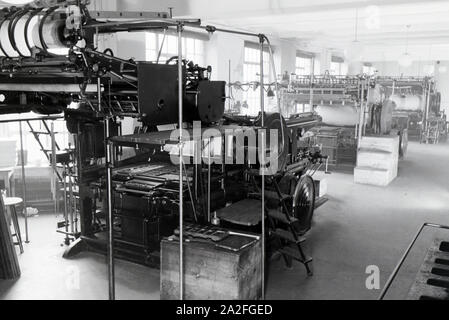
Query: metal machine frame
<point x="48" y="83"/>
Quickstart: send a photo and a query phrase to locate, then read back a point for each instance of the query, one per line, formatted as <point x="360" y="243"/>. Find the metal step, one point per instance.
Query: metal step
<point x="294" y="253"/>
<point x="272" y="195"/>
<point x="286" y="235"/>
<point x="276" y="214"/>
<point x="42" y="132"/>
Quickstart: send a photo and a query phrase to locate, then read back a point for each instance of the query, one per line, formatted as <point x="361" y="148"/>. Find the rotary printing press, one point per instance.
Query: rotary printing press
<point x="338" y="100"/>
<point x="50" y="65"/>
<point x="417" y="107"/>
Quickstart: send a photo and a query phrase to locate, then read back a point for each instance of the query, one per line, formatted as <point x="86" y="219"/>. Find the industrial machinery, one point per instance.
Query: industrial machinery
<point x="335" y="102"/>
<point x="417" y="107"/>
<point x="131" y="191"/>
<point x="402" y="106"/>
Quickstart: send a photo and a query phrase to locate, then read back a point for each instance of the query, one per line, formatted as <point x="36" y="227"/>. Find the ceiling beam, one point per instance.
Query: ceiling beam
<point x="232" y="12"/>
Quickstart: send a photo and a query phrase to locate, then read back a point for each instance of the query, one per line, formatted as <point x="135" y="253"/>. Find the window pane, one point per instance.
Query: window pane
<point x="172" y="48"/>
<point x="192" y="49"/>
<point x="317" y="67"/>
<point x="303" y="66"/>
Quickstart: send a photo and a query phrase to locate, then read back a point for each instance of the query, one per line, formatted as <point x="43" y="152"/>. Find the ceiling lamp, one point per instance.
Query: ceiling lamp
<point x="355" y="50"/>
<point x="406" y="60"/>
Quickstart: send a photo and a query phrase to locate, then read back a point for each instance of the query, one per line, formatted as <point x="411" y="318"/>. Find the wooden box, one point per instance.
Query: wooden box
<point x="211" y="273"/>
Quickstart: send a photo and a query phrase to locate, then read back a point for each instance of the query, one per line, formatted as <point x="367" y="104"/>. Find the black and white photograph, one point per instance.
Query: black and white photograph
<point x="226" y="157"/>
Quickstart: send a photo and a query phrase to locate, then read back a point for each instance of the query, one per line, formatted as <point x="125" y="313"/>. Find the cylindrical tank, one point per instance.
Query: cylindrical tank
<point x="408" y="102"/>
<point x="339" y="115"/>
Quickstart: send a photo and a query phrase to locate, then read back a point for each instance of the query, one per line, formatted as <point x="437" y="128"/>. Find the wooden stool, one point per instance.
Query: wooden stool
<point x="11" y="203"/>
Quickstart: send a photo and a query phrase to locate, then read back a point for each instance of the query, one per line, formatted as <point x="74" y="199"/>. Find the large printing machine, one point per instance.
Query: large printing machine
<point x="417" y="107"/>
<point x="95" y="91"/>
<point x="406" y="106"/>
<point x="333" y="101"/>
<point x="50" y="65"/>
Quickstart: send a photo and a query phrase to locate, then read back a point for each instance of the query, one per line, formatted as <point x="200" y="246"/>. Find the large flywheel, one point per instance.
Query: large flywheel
<point x="304" y="203"/>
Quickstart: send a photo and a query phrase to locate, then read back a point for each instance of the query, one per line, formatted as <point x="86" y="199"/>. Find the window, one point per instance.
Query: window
<point x="305" y="62"/>
<point x="368" y="69"/>
<point x="192" y="48"/>
<point x="251" y="73"/>
<point x="338" y="67"/>
<point x="316" y="67"/>
<point x="303" y="66"/>
<point x="34" y="156"/>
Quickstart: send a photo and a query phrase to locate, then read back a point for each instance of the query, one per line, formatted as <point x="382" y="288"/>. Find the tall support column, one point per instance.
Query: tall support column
<point x="262" y="109"/>
<point x="24" y="188"/>
<point x="54" y="178"/>
<point x="108" y="164"/>
<point x="362" y="114"/>
<point x="181" y="202"/>
<point x="427" y="106"/>
<point x="209" y="168"/>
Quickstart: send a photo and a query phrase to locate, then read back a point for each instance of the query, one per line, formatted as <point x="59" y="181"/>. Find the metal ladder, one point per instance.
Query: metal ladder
<point x="46" y="151"/>
<point x="289" y="240"/>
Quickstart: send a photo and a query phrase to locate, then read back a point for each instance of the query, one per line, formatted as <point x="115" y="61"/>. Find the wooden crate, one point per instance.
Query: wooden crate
<point x="211" y="273"/>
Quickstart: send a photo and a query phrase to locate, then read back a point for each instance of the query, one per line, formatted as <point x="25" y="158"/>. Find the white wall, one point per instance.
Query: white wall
<point x="393" y="68"/>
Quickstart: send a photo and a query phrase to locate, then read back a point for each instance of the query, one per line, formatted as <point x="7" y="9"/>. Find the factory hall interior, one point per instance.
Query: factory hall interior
<point x="224" y="150"/>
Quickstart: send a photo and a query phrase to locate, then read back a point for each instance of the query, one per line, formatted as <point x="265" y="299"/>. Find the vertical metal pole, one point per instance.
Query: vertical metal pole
<point x="368" y="89"/>
<point x="209" y="168"/>
<point x="180" y="120"/>
<point x="71" y="203"/>
<point x="362" y="111"/>
<point x="262" y="93"/>
<point x="53" y="166"/>
<point x="223" y="158"/>
<point x="24" y="188"/>
<point x="311" y="84"/>
<point x="427" y="109"/>
<point x="66" y="217"/>
<point x="229" y="85"/>
<point x="108" y="157"/>
<point x="196" y="164"/>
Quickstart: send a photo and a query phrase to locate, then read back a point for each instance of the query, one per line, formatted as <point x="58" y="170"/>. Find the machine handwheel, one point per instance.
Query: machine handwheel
<point x="403" y="143"/>
<point x="304" y="203"/>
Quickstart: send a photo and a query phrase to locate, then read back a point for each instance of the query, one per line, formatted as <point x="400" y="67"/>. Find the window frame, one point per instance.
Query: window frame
<point x="251" y="63"/>
<point x="193" y="46"/>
